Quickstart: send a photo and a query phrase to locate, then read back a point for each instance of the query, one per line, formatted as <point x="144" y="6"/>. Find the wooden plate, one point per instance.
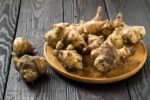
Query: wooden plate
<point x="140" y="57"/>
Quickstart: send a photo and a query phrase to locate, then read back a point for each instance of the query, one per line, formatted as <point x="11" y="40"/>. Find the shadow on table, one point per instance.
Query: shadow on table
<point x="41" y="80"/>
<point x="89" y="86"/>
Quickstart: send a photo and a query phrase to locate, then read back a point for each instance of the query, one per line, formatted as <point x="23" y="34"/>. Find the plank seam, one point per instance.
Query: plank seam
<point x="128" y="90"/>
<point x="9" y="63"/>
<point x="106" y="9"/>
<point x="63" y="10"/>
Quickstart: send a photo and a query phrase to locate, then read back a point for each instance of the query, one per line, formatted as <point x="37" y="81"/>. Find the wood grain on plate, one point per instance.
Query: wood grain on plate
<point x="120" y="72"/>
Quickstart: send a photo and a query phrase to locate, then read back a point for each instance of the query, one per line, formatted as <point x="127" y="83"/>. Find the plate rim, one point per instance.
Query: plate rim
<point x="97" y="80"/>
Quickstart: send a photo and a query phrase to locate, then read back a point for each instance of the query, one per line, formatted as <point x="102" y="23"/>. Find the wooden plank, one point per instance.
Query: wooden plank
<point x="36" y="18"/>
<point x="74" y="10"/>
<point x="8" y="20"/>
<point x="135" y="12"/>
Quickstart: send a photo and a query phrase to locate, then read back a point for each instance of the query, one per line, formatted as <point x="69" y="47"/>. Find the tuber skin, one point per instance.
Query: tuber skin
<point x="110" y="56"/>
<point x="30" y="67"/>
<point x="74" y="32"/>
<point x="108" y="41"/>
<point x="133" y="34"/>
<point x="22" y="46"/>
<point x="70" y="59"/>
<point x="118" y="39"/>
<point x="94" y="41"/>
<point x="127" y="35"/>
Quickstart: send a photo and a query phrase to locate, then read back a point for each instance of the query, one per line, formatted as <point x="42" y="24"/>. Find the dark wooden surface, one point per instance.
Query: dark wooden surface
<point x="32" y="18"/>
<point x="8" y="21"/>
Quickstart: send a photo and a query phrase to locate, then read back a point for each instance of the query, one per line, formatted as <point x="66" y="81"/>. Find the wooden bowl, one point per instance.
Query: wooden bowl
<point x="129" y="69"/>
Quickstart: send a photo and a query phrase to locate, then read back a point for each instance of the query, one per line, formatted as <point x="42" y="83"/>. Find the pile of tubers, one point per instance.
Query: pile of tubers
<point x="108" y="42"/>
<point x="26" y="62"/>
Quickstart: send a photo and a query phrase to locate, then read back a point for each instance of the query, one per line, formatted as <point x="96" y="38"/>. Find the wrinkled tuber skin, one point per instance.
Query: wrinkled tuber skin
<point x="30" y="67"/>
<point x="70" y="59"/>
<point x="74" y="32"/>
<point x="126" y="35"/>
<point x="110" y="56"/>
<point x="125" y="52"/>
<point x="28" y="72"/>
<point x="133" y="34"/>
<point x="77" y="40"/>
<point x="116" y="39"/>
<point x="53" y="36"/>
<point x="105" y="61"/>
<point x="94" y="41"/>
<point x="22" y="46"/>
<point x="62" y="44"/>
<point x="108" y="41"/>
<point x="122" y="36"/>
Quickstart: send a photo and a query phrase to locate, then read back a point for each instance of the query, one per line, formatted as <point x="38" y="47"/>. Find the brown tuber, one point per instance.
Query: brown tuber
<point x="109" y="56"/>
<point x="30" y="67"/>
<point x="70" y="59"/>
<point x="22" y="46"/>
<point x="74" y="32"/>
<point x="108" y="41"/>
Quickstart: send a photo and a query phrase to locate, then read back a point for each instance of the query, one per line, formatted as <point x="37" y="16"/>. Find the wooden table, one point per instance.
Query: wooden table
<point x="32" y="18"/>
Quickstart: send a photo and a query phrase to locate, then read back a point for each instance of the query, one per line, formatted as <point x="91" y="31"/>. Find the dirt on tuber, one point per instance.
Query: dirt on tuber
<point x="106" y="41"/>
<point x="30" y="67"/>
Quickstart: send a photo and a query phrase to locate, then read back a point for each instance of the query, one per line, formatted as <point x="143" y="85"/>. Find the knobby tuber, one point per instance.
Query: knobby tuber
<point x="108" y="41"/>
<point x="29" y="67"/>
<point x="74" y="32"/>
<point x="109" y="56"/>
<point x="22" y="46"/>
<point x="118" y="39"/>
<point x="70" y="59"/>
<point x="94" y="41"/>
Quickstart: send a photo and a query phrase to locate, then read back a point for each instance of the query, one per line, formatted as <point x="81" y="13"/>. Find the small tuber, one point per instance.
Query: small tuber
<point x="70" y="59"/>
<point x="30" y="67"/>
<point x="22" y="46"/>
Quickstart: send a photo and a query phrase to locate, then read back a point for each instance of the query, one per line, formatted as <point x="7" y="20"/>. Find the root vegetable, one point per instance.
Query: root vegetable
<point x="73" y="32"/>
<point x="22" y="46"/>
<point x="109" y="56"/>
<point x="118" y="39"/>
<point x="70" y="59"/>
<point x="94" y="41"/>
<point x="30" y="67"/>
<point x="108" y="41"/>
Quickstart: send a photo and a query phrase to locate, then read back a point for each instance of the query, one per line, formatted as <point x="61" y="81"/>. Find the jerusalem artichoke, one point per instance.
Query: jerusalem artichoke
<point x="109" y="56"/>
<point x="30" y="67"/>
<point x="70" y="59"/>
<point x="110" y="41"/>
<point x="119" y="38"/>
<point x="73" y="32"/>
<point x="94" y="41"/>
<point x="22" y="46"/>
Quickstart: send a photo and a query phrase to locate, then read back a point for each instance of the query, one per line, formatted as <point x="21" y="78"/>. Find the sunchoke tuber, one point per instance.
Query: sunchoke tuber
<point x="109" y="56"/>
<point x="94" y="41"/>
<point x="70" y="59"/>
<point x="22" y="46"/>
<point x="30" y="67"/>
<point x="118" y="39"/>
<point x="73" y="32"/>
<point x="108" y="41"/>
